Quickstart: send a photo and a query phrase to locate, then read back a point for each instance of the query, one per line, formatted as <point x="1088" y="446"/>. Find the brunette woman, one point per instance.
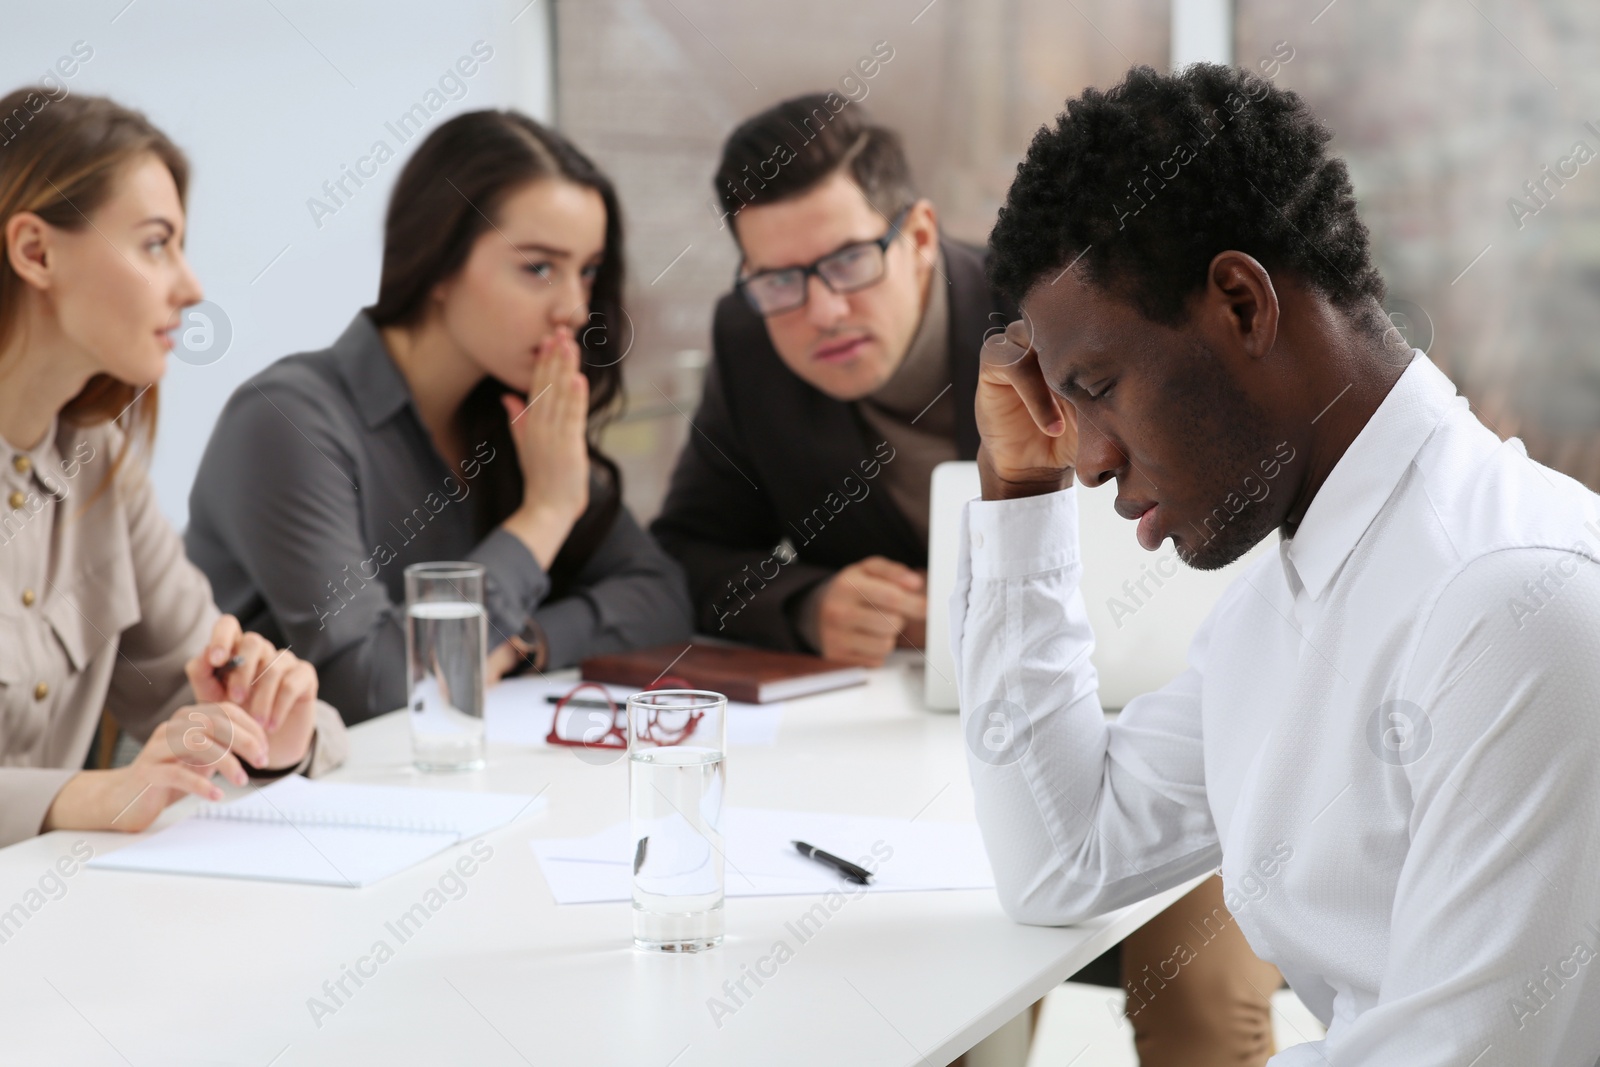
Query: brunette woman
<point x="454" y="419"/>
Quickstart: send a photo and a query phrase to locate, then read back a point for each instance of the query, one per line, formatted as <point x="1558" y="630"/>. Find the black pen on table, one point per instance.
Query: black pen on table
<point x="848" y="870"/>
<point x="580" y="702"/>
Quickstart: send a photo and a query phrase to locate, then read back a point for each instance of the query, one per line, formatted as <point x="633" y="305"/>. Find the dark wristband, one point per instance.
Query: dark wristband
<point x="282" y="772"/>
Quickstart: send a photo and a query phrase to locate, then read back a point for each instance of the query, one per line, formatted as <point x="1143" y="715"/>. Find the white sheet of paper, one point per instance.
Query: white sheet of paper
<point x="516" y="712"/>
<point x="760" y="861"/>
<point x="325" y="833"/>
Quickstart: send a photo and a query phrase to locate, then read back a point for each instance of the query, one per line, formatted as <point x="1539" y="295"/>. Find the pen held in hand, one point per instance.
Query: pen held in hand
<point x="224" y="671"/>
<point x="229" y="667"/>
<point x="849" y="871"/>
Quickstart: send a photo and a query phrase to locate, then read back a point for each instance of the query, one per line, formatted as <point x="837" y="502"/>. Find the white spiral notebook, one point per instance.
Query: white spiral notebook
<point x="324" y="833"/>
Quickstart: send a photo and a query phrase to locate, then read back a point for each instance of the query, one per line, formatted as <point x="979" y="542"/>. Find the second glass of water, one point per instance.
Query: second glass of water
<point x="676" y="776"/>
<point x="445" y="646"/>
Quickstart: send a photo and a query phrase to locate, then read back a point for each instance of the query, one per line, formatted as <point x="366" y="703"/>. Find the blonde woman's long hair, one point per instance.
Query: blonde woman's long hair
<point x="60" y="158"/>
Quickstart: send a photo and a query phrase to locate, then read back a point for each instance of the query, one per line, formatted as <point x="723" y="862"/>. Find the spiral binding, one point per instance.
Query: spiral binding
<point x="292" y="817"/>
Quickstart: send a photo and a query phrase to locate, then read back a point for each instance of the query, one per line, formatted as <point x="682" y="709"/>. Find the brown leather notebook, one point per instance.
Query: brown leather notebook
<point x="752" y="675"/>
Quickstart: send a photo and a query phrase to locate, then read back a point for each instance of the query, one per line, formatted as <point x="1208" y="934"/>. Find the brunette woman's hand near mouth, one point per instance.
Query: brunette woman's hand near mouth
<point x="552" y="449"/>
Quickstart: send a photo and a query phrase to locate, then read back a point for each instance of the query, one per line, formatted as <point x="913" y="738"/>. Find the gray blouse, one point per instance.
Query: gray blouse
<point x="320" y="484"/>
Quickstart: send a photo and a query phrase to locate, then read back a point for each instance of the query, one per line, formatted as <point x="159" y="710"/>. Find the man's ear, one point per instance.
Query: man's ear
<point x="922" y="226"/>
<point x="28" y="248"/>
<point x="1241" y="303"/>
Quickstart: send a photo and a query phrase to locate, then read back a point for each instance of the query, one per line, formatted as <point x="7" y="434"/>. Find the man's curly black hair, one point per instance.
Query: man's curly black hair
<point x="1144" y="183"/>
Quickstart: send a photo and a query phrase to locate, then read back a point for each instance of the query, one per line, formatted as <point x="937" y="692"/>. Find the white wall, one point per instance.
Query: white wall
<point x="270" y="99"/>
<point x="1202" y="32"/>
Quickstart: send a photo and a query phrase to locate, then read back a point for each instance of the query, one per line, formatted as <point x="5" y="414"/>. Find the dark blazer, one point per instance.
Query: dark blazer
<point x="772" y="458"/>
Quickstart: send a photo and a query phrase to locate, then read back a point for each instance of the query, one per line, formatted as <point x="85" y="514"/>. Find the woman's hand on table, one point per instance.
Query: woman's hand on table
<point x="181" y="757"/>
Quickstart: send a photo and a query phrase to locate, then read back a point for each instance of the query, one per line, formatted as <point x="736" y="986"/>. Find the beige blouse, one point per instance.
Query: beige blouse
<point x="99" y="609"/>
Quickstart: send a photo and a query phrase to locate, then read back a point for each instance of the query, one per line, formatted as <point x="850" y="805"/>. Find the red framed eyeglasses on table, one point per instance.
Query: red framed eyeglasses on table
<point x="608" y="726"/>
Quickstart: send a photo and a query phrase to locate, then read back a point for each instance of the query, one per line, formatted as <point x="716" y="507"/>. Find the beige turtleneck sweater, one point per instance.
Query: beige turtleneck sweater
<point x="915" y="411"/>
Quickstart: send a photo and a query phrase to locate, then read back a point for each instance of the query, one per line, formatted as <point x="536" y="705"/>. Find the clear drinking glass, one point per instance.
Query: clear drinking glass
<point x="676" y="776"/>
<point x="446" y="637"/>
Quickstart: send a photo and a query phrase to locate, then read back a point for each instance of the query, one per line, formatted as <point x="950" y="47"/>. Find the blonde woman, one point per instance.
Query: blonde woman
<point x="99" y="608"/>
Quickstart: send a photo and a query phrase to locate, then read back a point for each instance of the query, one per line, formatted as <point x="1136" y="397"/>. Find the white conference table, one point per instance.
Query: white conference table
<point x="132" y="968"/>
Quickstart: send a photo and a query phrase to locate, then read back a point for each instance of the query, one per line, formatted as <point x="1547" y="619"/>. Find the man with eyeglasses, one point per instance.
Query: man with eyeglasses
<point x="845" y="366"/>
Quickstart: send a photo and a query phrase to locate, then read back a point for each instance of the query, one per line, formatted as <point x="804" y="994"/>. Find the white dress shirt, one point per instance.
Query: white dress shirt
<point x="1387" y="736"/>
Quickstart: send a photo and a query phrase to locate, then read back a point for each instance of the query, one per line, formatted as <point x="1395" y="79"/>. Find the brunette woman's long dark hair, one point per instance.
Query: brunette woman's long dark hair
<point x="445" y="197"/>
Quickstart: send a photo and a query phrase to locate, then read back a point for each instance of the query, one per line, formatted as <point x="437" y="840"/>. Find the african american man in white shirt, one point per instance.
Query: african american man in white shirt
<point x="1386" y="736"/>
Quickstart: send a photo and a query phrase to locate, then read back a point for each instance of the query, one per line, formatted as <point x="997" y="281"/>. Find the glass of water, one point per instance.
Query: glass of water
<point x="676" y="776"/>
<point x="445" y="644"/>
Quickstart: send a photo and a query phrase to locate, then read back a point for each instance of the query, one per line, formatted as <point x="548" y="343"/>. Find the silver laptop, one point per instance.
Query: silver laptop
<point x="1144" y="606"/>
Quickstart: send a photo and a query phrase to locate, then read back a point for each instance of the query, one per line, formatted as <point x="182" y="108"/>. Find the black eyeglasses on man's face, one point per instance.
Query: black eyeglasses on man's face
<point x="853" y="267"/>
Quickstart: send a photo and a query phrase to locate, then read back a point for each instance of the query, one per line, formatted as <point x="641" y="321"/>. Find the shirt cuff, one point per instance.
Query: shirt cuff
<point x="569" y="626"/>
<point x="330" y="744"/>
<point x="513" y="582"/>
<point x="1027" y="535"/>
<point x="28" y="793"/>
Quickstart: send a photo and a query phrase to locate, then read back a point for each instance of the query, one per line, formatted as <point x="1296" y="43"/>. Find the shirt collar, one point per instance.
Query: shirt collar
<point x="25" y="467"/>
<point x="375" y="383"/>
<point x="1365" y="477"/>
